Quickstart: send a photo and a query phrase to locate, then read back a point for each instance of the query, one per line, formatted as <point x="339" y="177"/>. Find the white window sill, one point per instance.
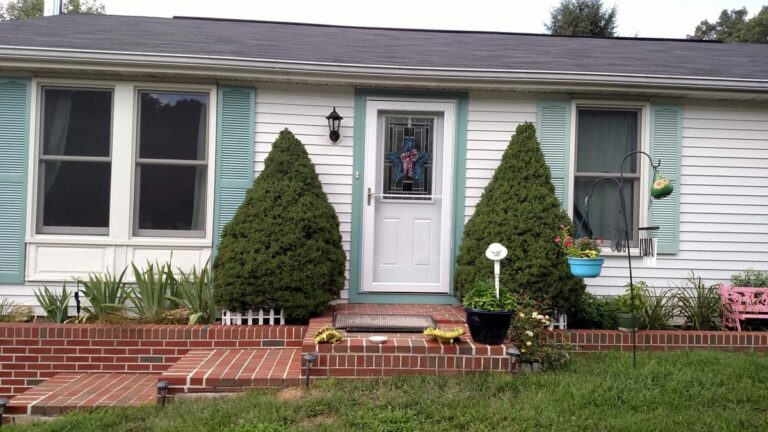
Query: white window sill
<point x="106" y="241"/>
<point x="607" y="252"/>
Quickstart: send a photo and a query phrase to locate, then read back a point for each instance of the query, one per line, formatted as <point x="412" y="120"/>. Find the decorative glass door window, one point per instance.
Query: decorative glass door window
<point x="408" y="151"/>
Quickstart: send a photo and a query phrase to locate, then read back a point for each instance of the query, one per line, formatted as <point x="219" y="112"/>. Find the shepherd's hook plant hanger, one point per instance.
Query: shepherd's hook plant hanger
<point x="660" y="188"/>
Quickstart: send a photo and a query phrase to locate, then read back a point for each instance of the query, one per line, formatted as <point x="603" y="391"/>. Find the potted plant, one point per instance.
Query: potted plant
<point x="626" y="320"/>
<point x="488" y="316"/>
<point x="583" y="253"/>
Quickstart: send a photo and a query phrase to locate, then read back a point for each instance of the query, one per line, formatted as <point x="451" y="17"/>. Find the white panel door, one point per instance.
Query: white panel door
<point x="408" y="196"/>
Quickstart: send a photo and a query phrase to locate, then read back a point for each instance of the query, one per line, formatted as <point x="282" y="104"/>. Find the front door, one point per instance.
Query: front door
<point x="408" y="196"/>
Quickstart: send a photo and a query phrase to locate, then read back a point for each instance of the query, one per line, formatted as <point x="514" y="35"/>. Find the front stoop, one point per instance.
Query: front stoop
<point x="231" y="370"/>
<point x="66" y="392"/>
<point x="402" y="354"/>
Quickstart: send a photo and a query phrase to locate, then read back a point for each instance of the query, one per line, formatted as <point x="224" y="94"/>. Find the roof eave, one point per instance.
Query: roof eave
<point x="228" y="68"/>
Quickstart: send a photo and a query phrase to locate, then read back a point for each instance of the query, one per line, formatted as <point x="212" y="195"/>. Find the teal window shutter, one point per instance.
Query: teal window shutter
<point x="14" y="144"/>
<point x="666" y="137"/>
<point x="553" y="131"/>
<point x="235" y="125"/>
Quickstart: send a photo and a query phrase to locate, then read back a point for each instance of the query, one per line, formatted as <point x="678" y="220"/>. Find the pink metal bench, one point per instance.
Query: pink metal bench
<point x="740" y="303"/>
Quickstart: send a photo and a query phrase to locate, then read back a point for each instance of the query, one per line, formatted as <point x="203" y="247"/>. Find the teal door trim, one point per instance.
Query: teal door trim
<point x="358" y="174"/>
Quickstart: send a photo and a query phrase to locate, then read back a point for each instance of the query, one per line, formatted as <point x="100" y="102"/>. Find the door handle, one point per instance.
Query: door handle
<point x="370" y="194"/>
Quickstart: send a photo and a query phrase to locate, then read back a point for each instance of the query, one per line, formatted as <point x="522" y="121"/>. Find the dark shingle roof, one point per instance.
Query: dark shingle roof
<point x="389" y="47"/>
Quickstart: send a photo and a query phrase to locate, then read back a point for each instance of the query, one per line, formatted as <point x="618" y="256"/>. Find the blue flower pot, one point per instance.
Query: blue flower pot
<point x="586" y="267"/>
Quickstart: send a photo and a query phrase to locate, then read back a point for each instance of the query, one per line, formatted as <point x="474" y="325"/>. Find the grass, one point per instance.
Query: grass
<point x="691" y="391"/>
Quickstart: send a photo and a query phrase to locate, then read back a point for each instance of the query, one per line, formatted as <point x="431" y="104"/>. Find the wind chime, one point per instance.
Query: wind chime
<point x="647" y="243"/>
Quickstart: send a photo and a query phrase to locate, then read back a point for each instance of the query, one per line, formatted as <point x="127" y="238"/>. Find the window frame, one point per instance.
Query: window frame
<point x="137" y="160"/>
<point x="123" y="130"/>
<point x="40" y="158"/>
<point x="642" y="197"/>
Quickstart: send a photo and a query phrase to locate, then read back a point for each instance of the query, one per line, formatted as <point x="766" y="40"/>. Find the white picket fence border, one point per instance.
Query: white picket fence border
<point x="252" y="318"/>
<point x="559" y="320"/>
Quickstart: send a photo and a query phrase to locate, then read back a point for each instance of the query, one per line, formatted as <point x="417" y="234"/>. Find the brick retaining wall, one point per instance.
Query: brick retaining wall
<point x="30" y="353"/>
<point x="663" y="340"/>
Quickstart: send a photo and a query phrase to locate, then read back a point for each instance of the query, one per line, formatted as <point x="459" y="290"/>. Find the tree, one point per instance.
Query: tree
<point x="733" y="26"/>
<point x="519" y="209"/>
<point x="20" y="9"/>
<point x="582" y="18"/>
<point x="282" y="249"/>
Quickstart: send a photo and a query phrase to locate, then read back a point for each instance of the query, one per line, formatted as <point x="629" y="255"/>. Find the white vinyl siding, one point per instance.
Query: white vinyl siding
<point x="724" y="187"/>
<point x="302" y="109"/>
<point x="493" y="118"/>
<point x="723" y="201"/>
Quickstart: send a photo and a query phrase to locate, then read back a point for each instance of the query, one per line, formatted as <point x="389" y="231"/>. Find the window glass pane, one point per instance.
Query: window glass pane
<point x="407" y="158"/>
<point x="75" y="194"/>
<point x="603" y="220"/>
<point x="604" y="138"/>
<point x="76" y="122"/>
<point x="173" y="126"/>
<point x="172" y="197"/>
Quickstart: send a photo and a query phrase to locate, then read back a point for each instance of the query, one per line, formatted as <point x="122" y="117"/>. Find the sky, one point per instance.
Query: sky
<point x="643" y="18"/>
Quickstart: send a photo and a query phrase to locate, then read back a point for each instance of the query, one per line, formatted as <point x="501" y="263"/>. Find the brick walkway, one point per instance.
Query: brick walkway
<point x="223" y="370"/>
<point x="67" y="392"/>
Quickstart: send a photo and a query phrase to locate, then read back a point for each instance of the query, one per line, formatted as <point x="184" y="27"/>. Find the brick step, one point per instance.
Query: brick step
<point x="72" y="391"/>
<point x="402" y="354"/>
<point x="230" y="370"/>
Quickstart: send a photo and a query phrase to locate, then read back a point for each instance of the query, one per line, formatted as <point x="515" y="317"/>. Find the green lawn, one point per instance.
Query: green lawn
<point x="683" y="391"/>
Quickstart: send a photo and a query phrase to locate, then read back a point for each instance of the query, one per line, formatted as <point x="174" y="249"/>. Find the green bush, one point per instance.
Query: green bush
<point x="640" y="297"/>
<point x="283" y="248"/>
<point x="594" y="312"/>
<point x="519" y="209"/>
<point x="750" y="278"/>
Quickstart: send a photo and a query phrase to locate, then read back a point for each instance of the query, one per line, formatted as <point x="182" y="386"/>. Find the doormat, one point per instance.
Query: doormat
<point x="383" y="323"/>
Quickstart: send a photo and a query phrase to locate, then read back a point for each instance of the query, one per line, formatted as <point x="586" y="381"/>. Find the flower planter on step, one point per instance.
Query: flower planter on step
<point x="488" y="327"/>
<point x="586" y="267"/>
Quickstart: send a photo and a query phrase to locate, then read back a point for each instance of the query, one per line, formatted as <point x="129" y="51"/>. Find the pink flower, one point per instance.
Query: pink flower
<point x="557" y="239"/>
<point x="568" y="242"/>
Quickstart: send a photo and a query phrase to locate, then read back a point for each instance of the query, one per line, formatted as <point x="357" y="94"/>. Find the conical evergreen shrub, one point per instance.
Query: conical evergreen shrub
<point x="519" y="209"/>
<point x="283" y="247"/>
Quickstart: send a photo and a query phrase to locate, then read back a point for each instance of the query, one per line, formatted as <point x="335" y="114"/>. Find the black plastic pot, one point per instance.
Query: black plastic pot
<point x="488" y="327"/>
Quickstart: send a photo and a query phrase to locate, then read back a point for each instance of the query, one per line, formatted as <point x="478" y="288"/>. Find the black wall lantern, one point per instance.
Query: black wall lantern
<point x="334" y="123"/>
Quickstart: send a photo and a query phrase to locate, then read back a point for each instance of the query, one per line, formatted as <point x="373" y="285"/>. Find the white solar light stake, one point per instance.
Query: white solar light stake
<point x="496" y="252"/>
